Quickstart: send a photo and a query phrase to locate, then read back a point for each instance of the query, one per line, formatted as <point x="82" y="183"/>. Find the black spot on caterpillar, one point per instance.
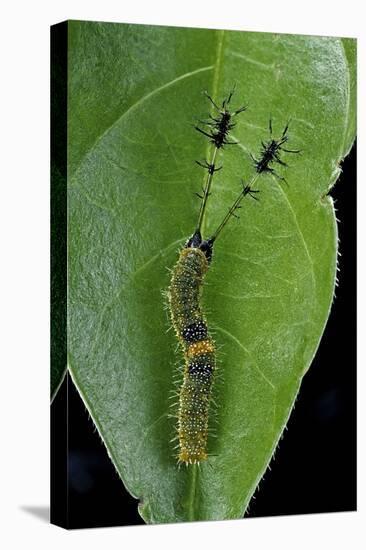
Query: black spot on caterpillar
<point x="184" y="293"/>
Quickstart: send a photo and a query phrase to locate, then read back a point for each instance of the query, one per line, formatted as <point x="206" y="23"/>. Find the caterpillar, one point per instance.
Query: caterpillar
<point x="184" y="292"/>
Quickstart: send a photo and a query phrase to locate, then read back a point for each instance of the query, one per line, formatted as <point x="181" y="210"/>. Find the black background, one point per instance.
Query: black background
<point x="314" y="469"/>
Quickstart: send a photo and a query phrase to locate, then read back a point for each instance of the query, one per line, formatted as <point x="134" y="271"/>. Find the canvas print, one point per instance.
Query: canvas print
<point x="194" y="258"/>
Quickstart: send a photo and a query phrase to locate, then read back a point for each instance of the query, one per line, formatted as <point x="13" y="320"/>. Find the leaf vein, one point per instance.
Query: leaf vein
<point x="255" y="364"/>
<point x="266" y="66"/>
<point x="139" y="102"/>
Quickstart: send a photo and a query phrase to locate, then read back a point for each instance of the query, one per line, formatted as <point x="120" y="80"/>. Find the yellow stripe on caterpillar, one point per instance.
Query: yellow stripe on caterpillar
<point x="200" y="348"/>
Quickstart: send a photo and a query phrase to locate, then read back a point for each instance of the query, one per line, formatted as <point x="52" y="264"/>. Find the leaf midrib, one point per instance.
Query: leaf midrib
<point x="192" y="478"/>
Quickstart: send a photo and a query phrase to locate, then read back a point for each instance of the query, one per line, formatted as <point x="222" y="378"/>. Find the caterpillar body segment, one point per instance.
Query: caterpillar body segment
<point x="198" y="347"/>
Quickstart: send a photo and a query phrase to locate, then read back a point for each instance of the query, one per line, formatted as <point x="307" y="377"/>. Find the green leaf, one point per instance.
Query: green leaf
<point x="134" y="92"/>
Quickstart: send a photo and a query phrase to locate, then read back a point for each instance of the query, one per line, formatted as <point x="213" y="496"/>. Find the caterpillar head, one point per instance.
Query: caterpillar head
<point x="204" y="245"/>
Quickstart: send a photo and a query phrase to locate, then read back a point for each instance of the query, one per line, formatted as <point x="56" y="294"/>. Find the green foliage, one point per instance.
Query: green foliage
<point x="134" y="92"/>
